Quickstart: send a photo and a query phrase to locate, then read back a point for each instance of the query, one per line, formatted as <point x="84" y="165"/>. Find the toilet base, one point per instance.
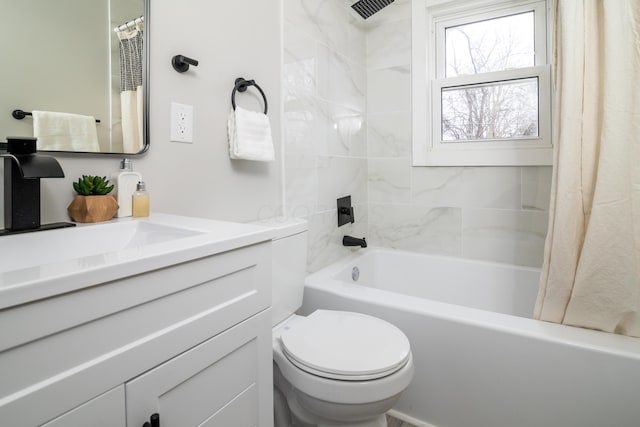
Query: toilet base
<point x="300" y="417"/>
<point x="294" y="408"/>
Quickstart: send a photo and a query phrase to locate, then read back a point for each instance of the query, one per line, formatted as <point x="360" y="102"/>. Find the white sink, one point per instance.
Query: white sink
<point x="46" y="263"/>
<point x="20" y="251"/>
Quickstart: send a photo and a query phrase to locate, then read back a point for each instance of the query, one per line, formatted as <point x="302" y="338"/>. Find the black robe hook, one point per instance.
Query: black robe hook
<point x="181" y="63"/>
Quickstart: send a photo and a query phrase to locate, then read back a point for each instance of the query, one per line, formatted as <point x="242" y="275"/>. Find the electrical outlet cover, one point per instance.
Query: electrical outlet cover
<point x="181" y="122"/>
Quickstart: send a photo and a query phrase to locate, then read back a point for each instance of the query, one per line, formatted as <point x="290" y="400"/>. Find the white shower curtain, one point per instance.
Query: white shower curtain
<point x="591" y="271"/>
<point x="131" y="96"/>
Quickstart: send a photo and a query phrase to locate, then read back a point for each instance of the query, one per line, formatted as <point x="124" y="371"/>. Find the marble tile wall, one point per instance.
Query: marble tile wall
<point x="488" y="213"/>
<point x="347" y="129"/>
<point x="324" y="83"/>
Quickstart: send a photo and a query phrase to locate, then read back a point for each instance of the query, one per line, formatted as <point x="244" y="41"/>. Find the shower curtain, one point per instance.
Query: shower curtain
<point x="131" y="96"/>
<point x="591" y="272"/>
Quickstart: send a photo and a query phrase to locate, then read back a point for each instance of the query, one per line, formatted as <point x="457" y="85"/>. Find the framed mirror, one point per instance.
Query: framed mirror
<point x="75" y="74"/>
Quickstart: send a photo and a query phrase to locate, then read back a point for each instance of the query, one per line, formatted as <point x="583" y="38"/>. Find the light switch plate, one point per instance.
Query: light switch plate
<point x="181" y="122"/>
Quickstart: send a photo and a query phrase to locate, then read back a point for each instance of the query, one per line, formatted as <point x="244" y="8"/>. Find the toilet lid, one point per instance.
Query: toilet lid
<point x="346" y="346"/>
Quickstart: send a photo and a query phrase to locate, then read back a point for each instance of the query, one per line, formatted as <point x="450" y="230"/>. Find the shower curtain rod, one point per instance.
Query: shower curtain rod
<point x="129" y="25"/>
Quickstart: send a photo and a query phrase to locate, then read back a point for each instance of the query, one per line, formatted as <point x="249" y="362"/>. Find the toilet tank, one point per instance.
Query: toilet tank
<point x="289" y="266"/>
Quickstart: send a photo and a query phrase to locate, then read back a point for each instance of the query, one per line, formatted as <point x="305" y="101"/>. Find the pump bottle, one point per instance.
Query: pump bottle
<point x="140" y="201"/>
<point x="125" y="181"/>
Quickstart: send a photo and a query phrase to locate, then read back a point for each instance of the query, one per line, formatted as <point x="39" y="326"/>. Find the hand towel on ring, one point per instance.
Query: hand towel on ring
<point x="249" y="136"/>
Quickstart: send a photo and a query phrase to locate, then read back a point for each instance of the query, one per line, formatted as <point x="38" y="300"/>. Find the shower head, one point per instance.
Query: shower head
<point x="366" y="8"/>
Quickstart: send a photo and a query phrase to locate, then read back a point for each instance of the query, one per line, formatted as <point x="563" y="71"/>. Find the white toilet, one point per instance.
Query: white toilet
<point x="331" y="368"/>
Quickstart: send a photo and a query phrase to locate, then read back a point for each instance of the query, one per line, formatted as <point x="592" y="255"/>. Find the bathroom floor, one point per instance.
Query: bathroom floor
<point x="394" y="422"/>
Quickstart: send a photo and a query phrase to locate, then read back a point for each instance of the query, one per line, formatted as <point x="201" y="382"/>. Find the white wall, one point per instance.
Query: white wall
<point x="230" y="39"/>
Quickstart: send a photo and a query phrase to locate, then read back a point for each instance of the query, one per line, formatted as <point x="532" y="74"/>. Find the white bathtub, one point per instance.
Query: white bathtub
<point x="480" y="360"/>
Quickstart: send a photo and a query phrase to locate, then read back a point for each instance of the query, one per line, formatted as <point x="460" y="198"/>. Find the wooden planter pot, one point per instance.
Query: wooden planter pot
<point x="92" y="208"/>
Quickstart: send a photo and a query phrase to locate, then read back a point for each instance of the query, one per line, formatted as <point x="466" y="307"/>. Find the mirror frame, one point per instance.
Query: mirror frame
<point x="145" y="81"/>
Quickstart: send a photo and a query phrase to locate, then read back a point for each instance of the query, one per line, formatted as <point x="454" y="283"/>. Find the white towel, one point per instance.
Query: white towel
<point x="250" y="136"/>
<point x="65" y="132"/>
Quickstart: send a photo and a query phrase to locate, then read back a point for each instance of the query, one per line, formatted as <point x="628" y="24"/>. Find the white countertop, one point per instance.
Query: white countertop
<point x="42" y="264"/>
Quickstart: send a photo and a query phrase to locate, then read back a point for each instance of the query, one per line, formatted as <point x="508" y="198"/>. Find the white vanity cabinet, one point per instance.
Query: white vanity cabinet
<point x="190" y="341"/>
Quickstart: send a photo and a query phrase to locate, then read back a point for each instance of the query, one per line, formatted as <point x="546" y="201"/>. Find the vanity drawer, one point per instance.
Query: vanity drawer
<point x="103" y="411"/>
<point x="225" y="381"/>
<point x="124" y="328"/>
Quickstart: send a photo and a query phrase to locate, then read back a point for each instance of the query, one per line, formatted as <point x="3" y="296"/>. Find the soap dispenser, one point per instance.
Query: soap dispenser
<point x="140" y="201"/>
<point x="125" y="181"/>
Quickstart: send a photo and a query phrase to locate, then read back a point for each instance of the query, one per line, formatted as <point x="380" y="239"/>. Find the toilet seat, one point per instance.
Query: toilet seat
<point x="345" y="346"/>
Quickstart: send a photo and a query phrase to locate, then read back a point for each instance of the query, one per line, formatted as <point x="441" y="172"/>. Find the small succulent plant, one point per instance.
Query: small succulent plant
<point x="90" y="185"/>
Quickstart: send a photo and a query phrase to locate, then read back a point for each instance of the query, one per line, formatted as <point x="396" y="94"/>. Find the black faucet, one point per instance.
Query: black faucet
<point x="354" y="241"/>
<point x="23" y="169"/>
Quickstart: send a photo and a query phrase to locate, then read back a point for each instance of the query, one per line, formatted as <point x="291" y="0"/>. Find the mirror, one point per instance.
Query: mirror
<point x="66" y="56"/>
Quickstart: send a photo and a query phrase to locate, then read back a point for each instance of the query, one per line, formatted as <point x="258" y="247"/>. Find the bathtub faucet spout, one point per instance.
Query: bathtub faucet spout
<point x="354" y="241"/>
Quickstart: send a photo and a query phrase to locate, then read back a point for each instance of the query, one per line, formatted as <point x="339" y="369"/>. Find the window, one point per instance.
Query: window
<point x="489" y="91"/>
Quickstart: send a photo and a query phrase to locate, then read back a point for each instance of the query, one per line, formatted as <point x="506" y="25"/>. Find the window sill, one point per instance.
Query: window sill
<point x="542" y="156"/>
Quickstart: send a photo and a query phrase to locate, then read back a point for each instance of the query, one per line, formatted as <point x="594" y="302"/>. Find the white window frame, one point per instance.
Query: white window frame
<point x="429" y="24"/>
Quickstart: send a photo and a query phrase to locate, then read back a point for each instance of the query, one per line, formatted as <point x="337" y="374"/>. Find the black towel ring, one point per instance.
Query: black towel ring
<point x="241" y="85"/>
